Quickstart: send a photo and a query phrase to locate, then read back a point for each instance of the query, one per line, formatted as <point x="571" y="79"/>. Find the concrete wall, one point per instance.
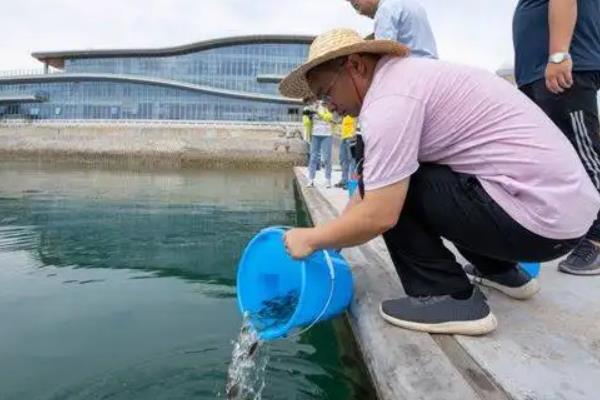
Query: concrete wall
<point x="152" y="146"/>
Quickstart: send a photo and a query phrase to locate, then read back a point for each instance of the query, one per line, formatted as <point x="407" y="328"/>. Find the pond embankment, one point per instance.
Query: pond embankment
<point x="154" y="145"/>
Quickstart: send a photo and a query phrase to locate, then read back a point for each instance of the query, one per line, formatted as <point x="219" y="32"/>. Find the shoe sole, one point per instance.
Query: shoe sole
<point x="568" y="270"/>
<point x="524" y="292"/>
<point x="471" y="328"/>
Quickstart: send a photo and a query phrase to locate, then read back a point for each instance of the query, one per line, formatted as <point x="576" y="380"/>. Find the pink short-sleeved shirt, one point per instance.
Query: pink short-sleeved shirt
<point x="428" y="111"/>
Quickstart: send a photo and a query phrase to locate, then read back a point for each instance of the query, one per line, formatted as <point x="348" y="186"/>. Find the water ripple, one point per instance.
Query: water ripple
<point x="15" y="237"/>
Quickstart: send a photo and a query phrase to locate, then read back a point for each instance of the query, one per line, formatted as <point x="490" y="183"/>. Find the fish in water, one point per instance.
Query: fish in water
<point x="233" y="392"/>
<point x="276" y="311"/>
<point x="253" y="348"/>
<point x="245" y="378"/>
<point x="235" y="376"/>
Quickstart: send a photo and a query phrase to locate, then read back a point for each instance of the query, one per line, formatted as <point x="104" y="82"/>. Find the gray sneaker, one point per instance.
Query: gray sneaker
<point x="583" y="260"/>
<point x="515" y="283"/>
<point x="441" y="314"/>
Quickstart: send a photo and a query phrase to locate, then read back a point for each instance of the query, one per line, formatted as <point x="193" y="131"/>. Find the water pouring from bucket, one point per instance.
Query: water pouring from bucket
<point x="280" y="295"/>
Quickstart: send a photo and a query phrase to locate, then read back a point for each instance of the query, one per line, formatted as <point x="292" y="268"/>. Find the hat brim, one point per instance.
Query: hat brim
<point x="295" y="84"/>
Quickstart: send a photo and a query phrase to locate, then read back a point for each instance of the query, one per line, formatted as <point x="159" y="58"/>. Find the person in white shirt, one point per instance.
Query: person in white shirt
<point x="404" y="21"/>
<point x="320" y="145"/>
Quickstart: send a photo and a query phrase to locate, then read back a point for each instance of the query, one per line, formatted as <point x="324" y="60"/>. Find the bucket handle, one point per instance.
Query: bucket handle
<point x="329" y="298"/>
<point x="332" y="287"/>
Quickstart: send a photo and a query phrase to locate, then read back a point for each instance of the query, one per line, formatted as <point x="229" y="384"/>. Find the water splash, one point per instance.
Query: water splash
<point x="246" y="374"/>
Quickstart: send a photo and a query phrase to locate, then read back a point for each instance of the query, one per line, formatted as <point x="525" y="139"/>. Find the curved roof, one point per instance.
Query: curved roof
<point x="79" y="77"/>
<point x="56" y="58"/>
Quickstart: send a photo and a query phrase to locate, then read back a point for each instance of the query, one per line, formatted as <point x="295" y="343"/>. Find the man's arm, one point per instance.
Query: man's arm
<point x="354" y="200"/>
<point x="391" y="157"/>
<point x="562" y="17"/>
<point x="376" y="213"/>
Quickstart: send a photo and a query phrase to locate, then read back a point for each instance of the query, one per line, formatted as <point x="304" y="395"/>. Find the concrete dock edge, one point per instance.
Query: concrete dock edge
<point x="545" y="348"/>
<point x="402" y="364"/>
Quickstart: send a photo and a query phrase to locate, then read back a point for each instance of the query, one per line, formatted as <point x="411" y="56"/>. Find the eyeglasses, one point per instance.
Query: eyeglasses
<point x="324" y="95"/>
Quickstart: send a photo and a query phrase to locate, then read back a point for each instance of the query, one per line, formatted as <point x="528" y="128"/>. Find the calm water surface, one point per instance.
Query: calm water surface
<point x="121" y="285"/>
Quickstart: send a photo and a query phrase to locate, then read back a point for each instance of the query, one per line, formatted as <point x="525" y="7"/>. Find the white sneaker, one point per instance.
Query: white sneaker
<point x="515" y="282"/>
<point x="328" y="185"/>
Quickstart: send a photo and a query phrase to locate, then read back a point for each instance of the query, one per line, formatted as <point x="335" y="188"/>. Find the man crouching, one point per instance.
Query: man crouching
<point x="450" y="152"/>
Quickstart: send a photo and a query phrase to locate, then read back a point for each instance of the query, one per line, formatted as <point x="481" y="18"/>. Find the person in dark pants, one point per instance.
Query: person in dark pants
<point x="557" y="54"/>
<point x="451" y="152"/>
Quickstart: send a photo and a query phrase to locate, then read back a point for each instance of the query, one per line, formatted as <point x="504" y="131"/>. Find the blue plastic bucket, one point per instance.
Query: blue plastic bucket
<point x="321" y="283"/>
<point x="532" y="268"/>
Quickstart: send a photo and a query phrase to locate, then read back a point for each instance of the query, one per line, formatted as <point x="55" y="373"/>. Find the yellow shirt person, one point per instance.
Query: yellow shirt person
<point x="348" y="130"/>
<point x="308" y="126"/>
<point x="348" y="127"/>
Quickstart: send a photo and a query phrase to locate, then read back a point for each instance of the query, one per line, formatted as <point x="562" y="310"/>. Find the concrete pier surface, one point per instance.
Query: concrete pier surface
<point x="546" y="348"/>
<point x="154" y="145"/>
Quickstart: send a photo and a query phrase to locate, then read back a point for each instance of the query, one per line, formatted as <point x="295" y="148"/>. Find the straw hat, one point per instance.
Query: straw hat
<point x="329" y="46"/>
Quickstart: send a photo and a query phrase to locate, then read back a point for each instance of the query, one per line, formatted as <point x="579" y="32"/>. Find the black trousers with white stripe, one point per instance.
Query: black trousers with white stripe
<point x="575" y="112"/>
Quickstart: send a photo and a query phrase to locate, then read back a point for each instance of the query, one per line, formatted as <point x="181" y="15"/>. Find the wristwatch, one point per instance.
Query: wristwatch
<point x="557" y="58"/>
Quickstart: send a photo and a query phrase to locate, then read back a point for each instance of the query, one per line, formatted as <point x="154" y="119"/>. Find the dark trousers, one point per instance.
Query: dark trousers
<point x="575" y="112"/>
<point x="443" y="203"/>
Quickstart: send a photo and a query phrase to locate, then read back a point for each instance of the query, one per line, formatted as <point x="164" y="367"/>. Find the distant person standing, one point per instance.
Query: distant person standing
<point x="320" y="145"/>
<point x="307" y="123"/>
<point x="404" y="21"/>
<point x="557" y="64"/>
<point x="348" y="130"/>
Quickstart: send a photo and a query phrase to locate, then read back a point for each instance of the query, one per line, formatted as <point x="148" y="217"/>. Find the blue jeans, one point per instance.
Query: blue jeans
<point x="346" y="160"/>
<point x="320" y="145"/>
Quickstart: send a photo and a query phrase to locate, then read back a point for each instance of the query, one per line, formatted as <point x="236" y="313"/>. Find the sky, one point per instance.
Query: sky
<point x="475" y="32"/>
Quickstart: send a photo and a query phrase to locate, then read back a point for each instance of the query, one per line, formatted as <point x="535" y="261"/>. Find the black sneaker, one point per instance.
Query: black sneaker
<point x="441" y="314"/>
<point x="515" y="283"/>
<point x="583" y="260"/>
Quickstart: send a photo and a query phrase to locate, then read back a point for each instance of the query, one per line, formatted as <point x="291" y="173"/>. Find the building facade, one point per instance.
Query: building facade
<point x="231" y="79"/>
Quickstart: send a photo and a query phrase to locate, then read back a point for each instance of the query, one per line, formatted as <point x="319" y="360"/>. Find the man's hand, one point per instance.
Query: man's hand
<point x="297" y="242"/>
<point x="562" y="17"/>
<point x="559" y="77"/>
